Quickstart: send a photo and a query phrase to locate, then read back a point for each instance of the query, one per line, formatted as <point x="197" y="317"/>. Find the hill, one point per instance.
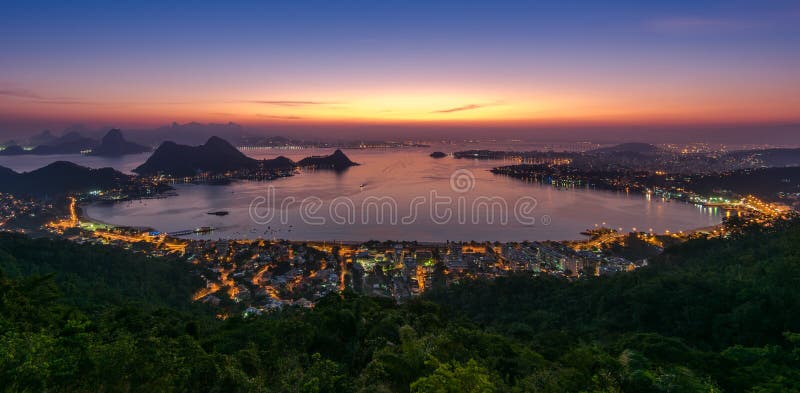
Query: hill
<point x="765" y="183"/>
<point x="216" y="156"/>
<point x="709" y="315"/>
<point x="640" y="148"/>
<point x="94" y="277"/>
<point x="42" y="138"/>
<point x="114" y="144"/>
<point x="69" y="143"/>
<point x="279" y="163"/>
<point x="336" y="161"/>
<point x="13" y="150"/>
<point x="60" y="177"/>
<point x="769" y="157"/>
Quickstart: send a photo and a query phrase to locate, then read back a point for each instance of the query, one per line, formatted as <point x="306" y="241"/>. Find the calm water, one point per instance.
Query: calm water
<point x="400" y="190"/>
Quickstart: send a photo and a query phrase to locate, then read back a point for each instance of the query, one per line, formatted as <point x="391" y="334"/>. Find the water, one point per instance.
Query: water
<point x="400" y="189"/>
<point x="382" y="209"/>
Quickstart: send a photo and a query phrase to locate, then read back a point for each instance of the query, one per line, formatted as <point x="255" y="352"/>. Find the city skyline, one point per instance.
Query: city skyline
<point x="441" y="66"/>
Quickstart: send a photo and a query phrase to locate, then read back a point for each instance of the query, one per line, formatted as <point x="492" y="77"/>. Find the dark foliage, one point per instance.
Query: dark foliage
<point x="707" y="316"/>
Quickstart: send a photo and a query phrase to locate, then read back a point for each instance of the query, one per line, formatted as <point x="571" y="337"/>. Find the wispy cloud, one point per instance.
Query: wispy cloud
<point x="18" y="93"/>
<point x="62" y="102"/>
<point x="462" y="108"/>
<point x="282" y="117"/>
<point x="35" y="97"/>
<point x="289" y="102"/>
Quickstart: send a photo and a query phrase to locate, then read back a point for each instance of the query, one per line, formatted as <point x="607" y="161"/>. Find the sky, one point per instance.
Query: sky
<point x="334" y="64"/>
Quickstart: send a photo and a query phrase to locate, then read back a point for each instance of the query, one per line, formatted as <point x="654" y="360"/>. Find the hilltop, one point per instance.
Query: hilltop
<point x="69" y="143"/>
<point x="640" y="148"/>
<point x="114" y="144"/>
<point x="60" y="177"/>
<point x="336" y="161"/>
<point x="215" y="156"/>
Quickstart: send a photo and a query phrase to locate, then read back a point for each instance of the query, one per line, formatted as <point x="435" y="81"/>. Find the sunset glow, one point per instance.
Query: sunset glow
<point x="400" y="63"/>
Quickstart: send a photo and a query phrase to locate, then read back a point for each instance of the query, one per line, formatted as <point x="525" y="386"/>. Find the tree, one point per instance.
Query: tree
<point x="456" y="378"/>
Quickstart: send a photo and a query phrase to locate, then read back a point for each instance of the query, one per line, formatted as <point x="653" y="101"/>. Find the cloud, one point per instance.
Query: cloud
<point x="288" y="102"/>
<point x="19" y="93"/>
<point x="282" y="117"/>
<point x="37" y="98"/>
<point x="461" y="108"/>
<point x="61" y="102"/>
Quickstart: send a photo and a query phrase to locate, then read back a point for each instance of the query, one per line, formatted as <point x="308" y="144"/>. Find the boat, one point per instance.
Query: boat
<point x="362" y="185"/>
<point x="203" y="230"/>
<point x="219" y="213"/>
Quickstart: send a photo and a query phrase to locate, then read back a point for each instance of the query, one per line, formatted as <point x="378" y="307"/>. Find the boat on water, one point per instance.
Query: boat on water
<point x="219" y="213"/>
<point x="203" y="230"/>
<point x="362" y="185"/>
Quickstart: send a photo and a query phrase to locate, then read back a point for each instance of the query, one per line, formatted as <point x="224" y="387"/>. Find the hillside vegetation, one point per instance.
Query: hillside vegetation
<point x="707" y="316"/>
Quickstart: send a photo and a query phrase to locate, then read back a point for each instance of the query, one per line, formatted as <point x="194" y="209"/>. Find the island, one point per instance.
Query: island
<point x="337" y="161"/>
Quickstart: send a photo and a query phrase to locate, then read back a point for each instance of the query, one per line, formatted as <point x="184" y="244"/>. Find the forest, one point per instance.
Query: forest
<point x="708" y="315"/>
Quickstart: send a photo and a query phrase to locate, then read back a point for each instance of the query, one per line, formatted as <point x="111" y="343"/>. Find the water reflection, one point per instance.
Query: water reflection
<point x="403" y="176"/>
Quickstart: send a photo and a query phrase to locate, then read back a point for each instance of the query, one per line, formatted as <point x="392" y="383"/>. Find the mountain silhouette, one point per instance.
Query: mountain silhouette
<point x="60" y="177"/>
<point x="336" y="161"/>
<point x="69" y="143"/>
<point x="43" y="138"/>
<point x="629" y="148"/>
<point x="114" y="144"/>
<point x="215" y="156"/>
<point x="14" y="150"/>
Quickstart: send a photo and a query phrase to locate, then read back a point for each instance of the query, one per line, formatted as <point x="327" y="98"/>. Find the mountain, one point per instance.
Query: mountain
<point x="71" y="137"/>
<point x="643" y="148"/>
<point x="6" y="175"/>
<point x="192" y="133"/>
<point x="71" y="146"/>
<point x="336" y="161"/>
<point x="13" y="150"/>
<point x="279" y="163"/>
<point x="42" y="138"/>
<point x="115" y="145"/>
<point x="216" y="156"/>
<point x="60" y="177"/>
<point x="69" y="143"/>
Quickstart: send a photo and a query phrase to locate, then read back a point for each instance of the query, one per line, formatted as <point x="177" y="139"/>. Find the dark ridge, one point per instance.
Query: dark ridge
<point x="43" y="138"/>
<point x="60" y="177"/>
<point x="115" y="145"/>
<point x="629" y="148"/>
<point x="69" y="143"/>
<point x="336" y="161"/>
<point x="215" y="156"/>
<point x="14" y="150"/>
<point x="6" y="174"/>
<point x="770" y="157"/>
<point x="438" y="154"/>
<point x="279" y="162"/>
